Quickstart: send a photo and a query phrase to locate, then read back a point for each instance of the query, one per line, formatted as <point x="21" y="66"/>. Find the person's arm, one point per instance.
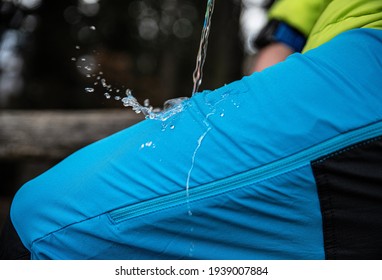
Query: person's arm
<point x="270" y="55"/>
<point x="286" y="33"/>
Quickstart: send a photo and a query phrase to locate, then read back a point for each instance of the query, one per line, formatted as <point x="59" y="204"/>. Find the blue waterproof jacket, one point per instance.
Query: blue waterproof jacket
<point x="283" y="164"/>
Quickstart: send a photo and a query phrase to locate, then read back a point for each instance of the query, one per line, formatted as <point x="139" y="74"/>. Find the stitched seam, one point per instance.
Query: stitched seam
<point x="347" y="149"/>
<point x="64" y="227"/>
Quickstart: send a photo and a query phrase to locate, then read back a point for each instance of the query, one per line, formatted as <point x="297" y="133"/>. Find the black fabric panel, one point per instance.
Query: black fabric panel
<point x="349" y="186"/>
<point x="11" y="247"/>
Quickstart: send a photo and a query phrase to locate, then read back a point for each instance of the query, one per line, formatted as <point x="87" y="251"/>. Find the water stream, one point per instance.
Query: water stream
<point x="202" y="53"/>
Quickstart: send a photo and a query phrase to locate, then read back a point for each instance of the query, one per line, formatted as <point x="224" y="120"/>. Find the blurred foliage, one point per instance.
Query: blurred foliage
<point x="51" y="51"/>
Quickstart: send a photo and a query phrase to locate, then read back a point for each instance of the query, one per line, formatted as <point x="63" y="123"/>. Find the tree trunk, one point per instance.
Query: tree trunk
<point x="56" y="134"/>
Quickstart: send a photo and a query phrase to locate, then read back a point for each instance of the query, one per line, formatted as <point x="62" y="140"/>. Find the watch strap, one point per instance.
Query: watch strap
<point x="278" y="31"/>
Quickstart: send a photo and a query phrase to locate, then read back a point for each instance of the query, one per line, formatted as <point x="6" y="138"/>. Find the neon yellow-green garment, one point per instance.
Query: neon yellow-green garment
<point x="322" y="20"/>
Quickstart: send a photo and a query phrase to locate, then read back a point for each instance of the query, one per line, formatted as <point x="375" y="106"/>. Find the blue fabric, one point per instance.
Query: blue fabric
<point x="65" y="212"/>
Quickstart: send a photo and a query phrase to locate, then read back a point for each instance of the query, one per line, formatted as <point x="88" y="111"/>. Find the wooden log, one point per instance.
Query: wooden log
<point x="56" y="134"/>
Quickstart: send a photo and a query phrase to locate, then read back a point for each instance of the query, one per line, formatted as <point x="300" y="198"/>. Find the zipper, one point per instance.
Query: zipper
<point x="258" y="174"/>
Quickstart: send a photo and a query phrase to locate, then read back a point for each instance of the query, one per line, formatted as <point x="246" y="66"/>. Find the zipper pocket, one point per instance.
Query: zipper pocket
<point x="258" y="174"/>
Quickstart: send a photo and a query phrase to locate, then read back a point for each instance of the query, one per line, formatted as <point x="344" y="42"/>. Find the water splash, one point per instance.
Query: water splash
<point x="170" y="108"/>
<point x="202" y="53"/>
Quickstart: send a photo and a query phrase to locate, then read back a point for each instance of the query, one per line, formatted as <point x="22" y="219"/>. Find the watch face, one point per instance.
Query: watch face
<point x="268" y="3"/>
<point x="266" y="36"/>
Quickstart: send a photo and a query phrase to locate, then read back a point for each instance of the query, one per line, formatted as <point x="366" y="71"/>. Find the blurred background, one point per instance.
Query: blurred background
<point x="64" y="63"/>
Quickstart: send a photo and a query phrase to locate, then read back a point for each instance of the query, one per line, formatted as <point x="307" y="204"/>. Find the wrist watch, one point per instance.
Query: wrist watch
<point x="279" y="31"/>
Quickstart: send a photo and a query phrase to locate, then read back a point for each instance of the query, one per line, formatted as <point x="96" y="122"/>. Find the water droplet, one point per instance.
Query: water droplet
<point x="89" y="89"/>
<point x="83" y="59"/>
<point x="74" y="59"/>
<point x="172" y="127"/>
<point x="222" y="114"/>
<point x="146" y="103"/>
<point x="88" y="68"/>
<point x="191" y="251"/>
<point x="92" y="27"/>
<point x="128" y="92"/>
<point x="190" y="213"/>
<point x="77" y="47"/>
<point x="100" y="72"/>
<point x="117" y="97"/>
<point x="107" y="95"/>
<point x="95" y="83"/>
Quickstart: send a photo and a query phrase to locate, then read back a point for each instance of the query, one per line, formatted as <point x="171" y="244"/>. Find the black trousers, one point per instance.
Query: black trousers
<point x="11" y="247"/>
